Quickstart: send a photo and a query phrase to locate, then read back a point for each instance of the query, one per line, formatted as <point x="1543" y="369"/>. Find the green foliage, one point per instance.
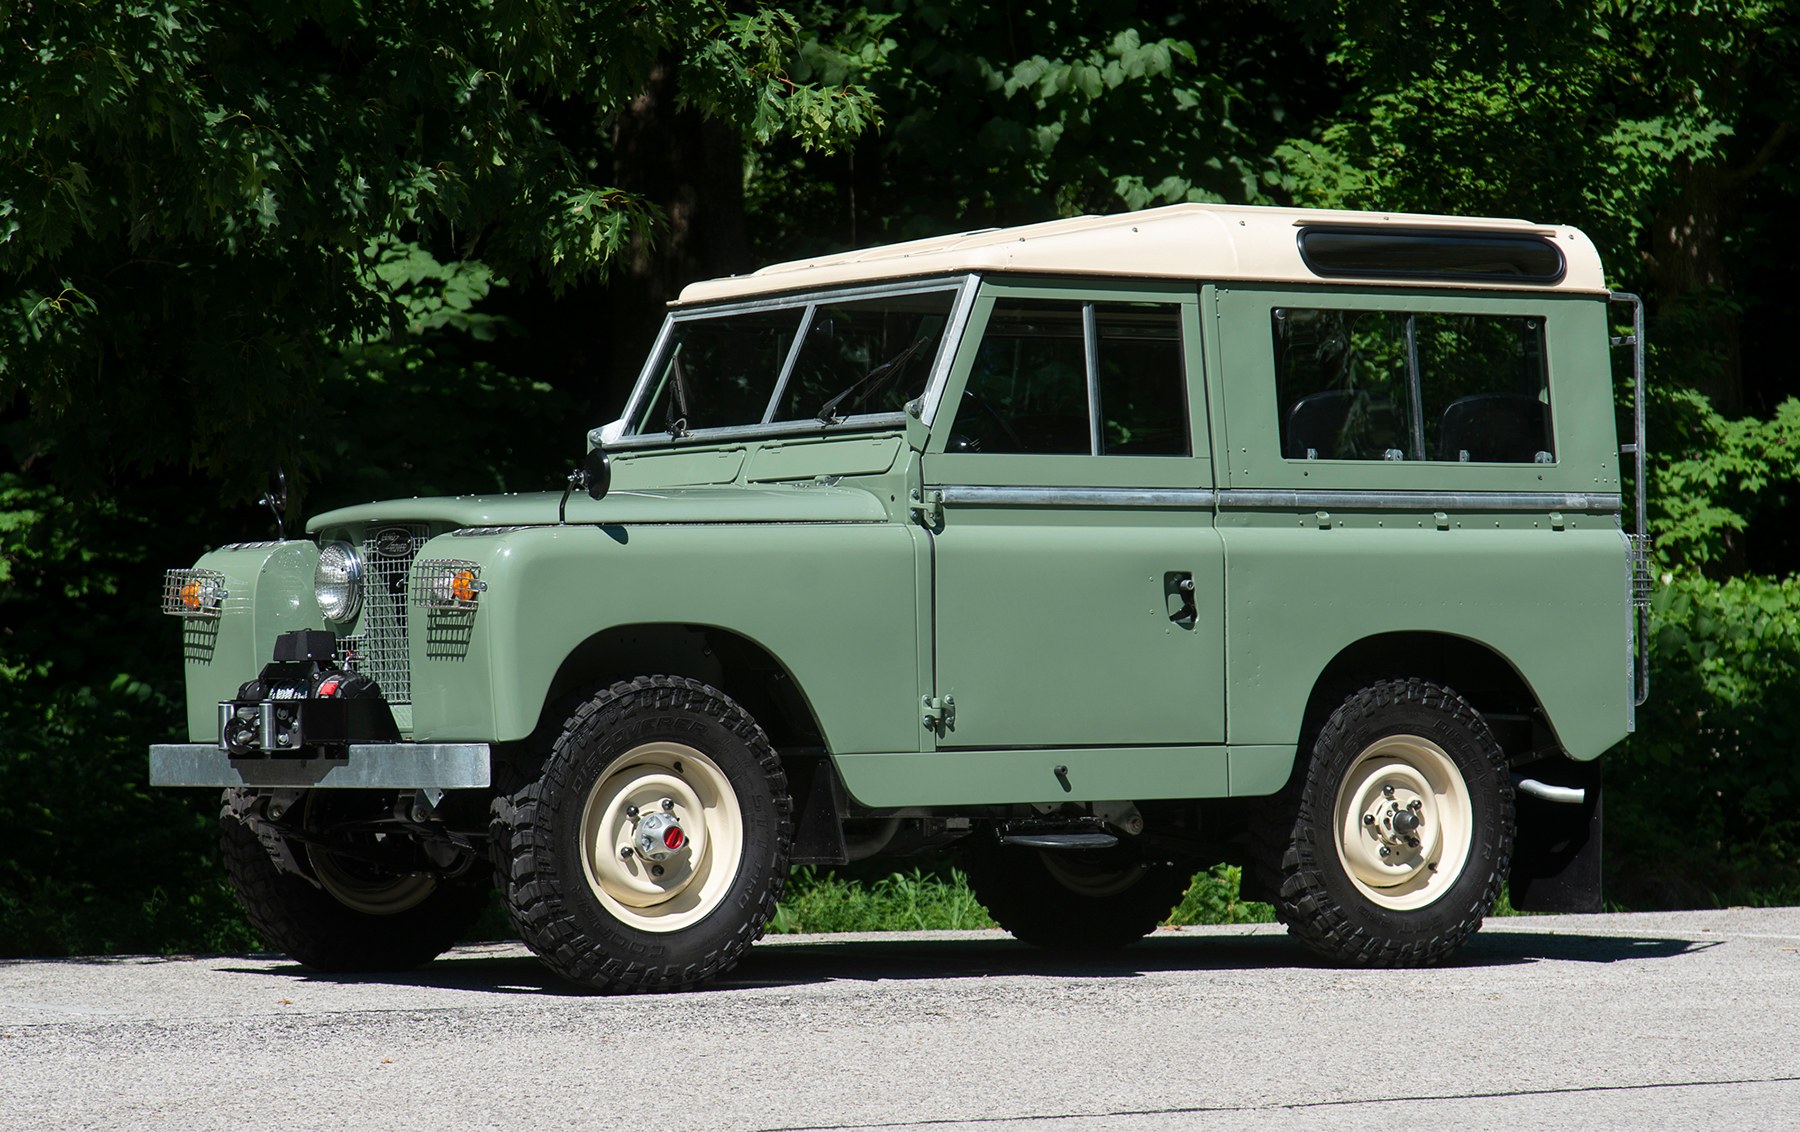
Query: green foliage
<point x="1704" y="802"/>
<point x="916" y="901"/>
<point x="998" y="114"/>
<point x="922" y="900"/>
<point x="1722" y="475"/>
<point x="1213" y="899"/>
<point x="194" y="196"/>
<point x="94" y="861"/>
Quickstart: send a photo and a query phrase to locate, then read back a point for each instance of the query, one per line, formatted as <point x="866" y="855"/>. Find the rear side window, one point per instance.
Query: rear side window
<point x="1399" y="385"/>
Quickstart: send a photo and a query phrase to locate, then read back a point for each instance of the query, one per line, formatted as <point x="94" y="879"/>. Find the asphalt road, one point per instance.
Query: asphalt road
<point x="1681" y="1020"/>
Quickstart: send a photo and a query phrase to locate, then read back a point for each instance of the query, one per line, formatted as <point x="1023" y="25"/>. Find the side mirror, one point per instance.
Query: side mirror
<point x="596" y="469"/>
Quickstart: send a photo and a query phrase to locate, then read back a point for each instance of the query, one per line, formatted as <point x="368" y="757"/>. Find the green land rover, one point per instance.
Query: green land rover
<point x="1094" y="552"/>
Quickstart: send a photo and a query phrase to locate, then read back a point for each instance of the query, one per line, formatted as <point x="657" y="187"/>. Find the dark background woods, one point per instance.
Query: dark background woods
<point x="420" y="247"/>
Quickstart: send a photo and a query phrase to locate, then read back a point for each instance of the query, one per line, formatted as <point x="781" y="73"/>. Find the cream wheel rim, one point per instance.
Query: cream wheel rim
<point x="370" y="895"/>
<point x="685" y="886"/>
<point x="1404" y="826"/>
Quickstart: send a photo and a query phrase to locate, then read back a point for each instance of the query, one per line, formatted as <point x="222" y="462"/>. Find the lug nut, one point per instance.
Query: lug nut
<point x="656" y="870"/>
<point x="625" y="853"/>
<point x="1386" y="852"/>
<point x="668" y="805"/>
<point x="1368" y="819"/>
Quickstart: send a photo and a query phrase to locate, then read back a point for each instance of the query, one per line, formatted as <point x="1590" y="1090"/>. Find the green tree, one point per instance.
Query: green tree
<point x="194" y="197"/>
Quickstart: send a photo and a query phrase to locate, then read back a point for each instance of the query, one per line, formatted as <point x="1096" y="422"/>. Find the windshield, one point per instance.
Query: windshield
<point x="856" y="357"/>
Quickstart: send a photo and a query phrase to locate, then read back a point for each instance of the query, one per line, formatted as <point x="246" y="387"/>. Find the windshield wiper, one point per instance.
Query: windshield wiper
<point x="678" y="426"/>
<point x="875" y="381"/>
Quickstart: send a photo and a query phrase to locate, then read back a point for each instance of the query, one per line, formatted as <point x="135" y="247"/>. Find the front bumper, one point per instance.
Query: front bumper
<point x="366" y="766"/>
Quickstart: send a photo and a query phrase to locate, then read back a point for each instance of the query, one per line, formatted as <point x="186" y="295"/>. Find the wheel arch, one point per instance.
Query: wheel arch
<point x="735" y="664"/>
<point x="1491" y="683"/>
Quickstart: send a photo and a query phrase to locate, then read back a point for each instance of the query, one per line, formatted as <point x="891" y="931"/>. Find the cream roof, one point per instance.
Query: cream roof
<point x="1183" y="241"/>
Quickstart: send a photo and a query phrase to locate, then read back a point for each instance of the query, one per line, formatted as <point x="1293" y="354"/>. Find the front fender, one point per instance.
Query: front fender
<point x="835" y="603"/>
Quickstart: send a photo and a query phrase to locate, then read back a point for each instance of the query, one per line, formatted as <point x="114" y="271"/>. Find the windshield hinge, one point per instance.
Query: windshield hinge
<point x="938" y="713"/>
<point x="928" y="505"/>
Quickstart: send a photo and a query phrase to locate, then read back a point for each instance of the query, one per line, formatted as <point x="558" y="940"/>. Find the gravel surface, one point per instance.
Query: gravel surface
<point x="1674" y="1020"/>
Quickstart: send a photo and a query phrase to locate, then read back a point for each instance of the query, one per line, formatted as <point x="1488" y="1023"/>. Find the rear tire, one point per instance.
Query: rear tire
<point x="1363" y="883"/>
<point x="1073" y="900"/>
<point x="358" y="918"/>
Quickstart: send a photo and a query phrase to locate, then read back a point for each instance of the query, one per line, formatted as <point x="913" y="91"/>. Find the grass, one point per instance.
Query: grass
<point x="821" y="900"/>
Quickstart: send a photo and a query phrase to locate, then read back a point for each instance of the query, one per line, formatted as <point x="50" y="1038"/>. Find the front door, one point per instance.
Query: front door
<point x="1078" y="575"/>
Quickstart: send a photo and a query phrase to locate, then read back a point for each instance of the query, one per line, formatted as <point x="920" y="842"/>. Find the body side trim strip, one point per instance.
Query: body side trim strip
<point x="1080" y="496"/>
<point x="1243" y="499"/>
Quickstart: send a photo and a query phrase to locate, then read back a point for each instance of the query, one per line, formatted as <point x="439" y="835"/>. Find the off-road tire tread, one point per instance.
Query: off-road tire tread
<point x="1303" y="903"/>
<point x="309" y="925"/>
<point x="525" y="855"/>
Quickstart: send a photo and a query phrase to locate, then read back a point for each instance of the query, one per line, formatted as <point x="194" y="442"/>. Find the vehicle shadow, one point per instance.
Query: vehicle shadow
<point x="778" y="962"/>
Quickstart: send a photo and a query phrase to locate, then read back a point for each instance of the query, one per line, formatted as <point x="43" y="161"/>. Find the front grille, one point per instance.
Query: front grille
<point x="378" y="650"/>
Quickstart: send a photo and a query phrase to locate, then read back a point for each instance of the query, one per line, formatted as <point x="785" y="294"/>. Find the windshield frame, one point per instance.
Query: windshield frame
<point x="651" y="377"/>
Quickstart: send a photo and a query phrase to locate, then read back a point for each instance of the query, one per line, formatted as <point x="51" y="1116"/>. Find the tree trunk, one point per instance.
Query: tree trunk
<point x="694" y="171"/>
<point x="1692" y="284"/>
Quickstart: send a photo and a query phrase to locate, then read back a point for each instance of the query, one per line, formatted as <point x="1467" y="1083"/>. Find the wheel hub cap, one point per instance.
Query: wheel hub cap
<point x="661" y="837"/>
<point x="1403" y="822"/>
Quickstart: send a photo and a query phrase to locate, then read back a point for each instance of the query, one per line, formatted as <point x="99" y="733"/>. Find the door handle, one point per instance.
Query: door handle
<point x="1178" y="595"/>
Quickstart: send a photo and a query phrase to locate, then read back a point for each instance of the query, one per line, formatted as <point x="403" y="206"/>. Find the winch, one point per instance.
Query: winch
<point x="303" y="700"/>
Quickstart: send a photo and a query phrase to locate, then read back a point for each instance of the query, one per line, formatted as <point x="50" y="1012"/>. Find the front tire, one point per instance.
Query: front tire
<point x="651" y="851"/>
<point x="1395" y="846"/>
<point x="1073" y="900"/>
<point x="358" y="917"/>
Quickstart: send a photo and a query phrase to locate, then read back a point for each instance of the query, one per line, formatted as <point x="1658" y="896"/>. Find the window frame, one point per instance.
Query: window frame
<point x="1084" y="469"/>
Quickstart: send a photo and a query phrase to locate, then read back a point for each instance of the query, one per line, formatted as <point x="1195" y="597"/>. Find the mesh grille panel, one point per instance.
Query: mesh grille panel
<point x="379" y="649"/>
<point x="1642" y="586"/>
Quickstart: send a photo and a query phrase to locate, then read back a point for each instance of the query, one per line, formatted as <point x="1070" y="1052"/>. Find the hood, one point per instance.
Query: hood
<point x="776" y="503"/>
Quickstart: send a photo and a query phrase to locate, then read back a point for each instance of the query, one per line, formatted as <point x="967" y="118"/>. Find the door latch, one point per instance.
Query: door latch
<point x="938" y="713"/>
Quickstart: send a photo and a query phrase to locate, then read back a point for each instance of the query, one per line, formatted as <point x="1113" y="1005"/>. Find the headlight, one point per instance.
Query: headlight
<point x="337" y="583"/>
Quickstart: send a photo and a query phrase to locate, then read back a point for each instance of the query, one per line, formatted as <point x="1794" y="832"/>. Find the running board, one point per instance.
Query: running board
<point x="1038" y="839"/>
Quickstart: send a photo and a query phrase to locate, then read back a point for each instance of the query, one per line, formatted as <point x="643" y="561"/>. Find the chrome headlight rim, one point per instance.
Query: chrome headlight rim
<point x="337" y="581"/>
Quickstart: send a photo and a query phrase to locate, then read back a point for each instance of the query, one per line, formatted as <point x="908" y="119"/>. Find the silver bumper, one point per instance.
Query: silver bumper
<point x="370" y="766"/>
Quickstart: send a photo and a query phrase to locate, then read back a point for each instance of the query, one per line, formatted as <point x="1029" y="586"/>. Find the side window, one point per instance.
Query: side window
<point x="1028" y="390"/>
<point x="1142" y="384"/>
<point x="1390" y="385"/>
<point x="1073" y="378"/>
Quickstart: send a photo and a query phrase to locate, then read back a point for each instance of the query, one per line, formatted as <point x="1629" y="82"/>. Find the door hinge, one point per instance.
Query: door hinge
<point x="928" y="505"/>
<point x="938" y="713"/>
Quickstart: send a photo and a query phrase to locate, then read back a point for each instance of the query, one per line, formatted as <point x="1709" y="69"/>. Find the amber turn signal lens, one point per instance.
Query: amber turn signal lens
<point x="190" y="594"/>
<point x="462" y="585"/>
